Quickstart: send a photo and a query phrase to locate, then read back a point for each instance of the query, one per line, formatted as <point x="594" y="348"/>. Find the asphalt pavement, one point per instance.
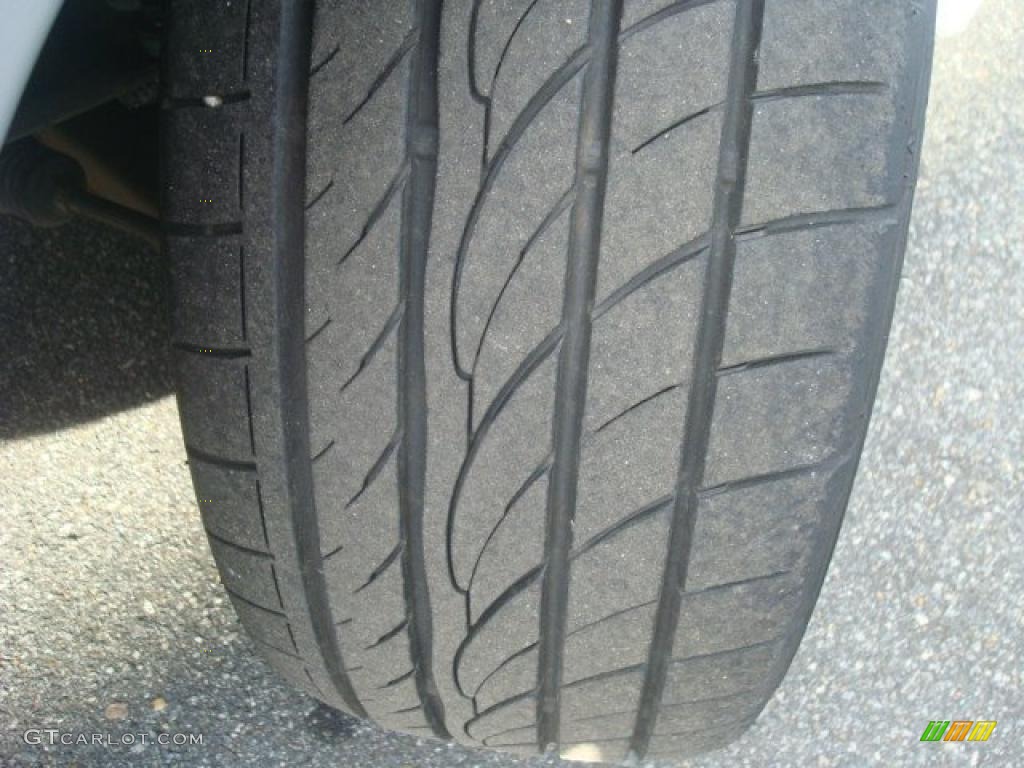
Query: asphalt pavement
<point x="112" y="619"/>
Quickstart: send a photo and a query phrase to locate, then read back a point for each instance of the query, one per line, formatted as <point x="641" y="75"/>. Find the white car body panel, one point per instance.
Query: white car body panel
<point x="24" y="25"/>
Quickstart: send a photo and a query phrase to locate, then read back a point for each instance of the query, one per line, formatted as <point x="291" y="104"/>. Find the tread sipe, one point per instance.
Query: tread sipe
<point x="526" y="349"/>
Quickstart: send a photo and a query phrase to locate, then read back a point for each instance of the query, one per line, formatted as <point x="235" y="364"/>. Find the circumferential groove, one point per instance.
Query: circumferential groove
<point x="421" y="147"/>
<point x="574" y="356"/>
<point x="726" y="214"/>
<point x="707" y="355"/>
<point x="287" y="214"/>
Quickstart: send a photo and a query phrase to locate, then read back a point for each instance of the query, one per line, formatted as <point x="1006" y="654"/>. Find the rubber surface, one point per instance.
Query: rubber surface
<point x="526" y="349"/>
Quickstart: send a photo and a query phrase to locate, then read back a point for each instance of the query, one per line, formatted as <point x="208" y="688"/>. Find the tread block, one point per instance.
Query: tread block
<point x="292" y="670"/>
<point x="547" y="35"/>
<point x="361" y="160"/>
<point x="620" y="571"/>
<point x="208" y="311"/>
<point x="379" y="606"/>
<point x="641" y="345"/>
<point x="777" y="418"/>
<point x="524" y="312"/>
<point x="818" y="153"/>
<point x="533" y="179"/>
<point x="516" y="547"/>
<point x="207" y="47"/>
<point x="204" y="188"/>
<point x="249" y="575"/>
<point x="509" y="631"/>
<point x="265" y="627"/>
<point x="650" y="95"/>
<point x="367" y="530"/>
<point x="874" y="28"/>
<point x="673" y="177"/>
<point x="515" y="443"/>
<point x="768" y="528"/>
<point x="628" y="465"/>
<point x="677" y="747"/>
<point x="214" y="408"/>
<point x="622" y="635"/>
<point x="729" y="673"/>
<point x="821" y="282"/>
<point x="230" y="503"/>
<point x="717" y="620"/>
<point x="345" y="74"/>
<point x="363" y="288"/>
<point x="361" y="421"/>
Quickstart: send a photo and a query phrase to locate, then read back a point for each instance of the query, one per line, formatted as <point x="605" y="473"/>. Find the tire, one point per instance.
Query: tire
<point x="526" y="349"/>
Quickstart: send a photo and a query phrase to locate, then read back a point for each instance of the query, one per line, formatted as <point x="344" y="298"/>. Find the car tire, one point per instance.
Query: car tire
<point x="526" y="349"/>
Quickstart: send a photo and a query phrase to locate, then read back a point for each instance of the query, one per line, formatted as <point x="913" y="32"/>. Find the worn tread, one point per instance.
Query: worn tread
<point x="524" y="331"/>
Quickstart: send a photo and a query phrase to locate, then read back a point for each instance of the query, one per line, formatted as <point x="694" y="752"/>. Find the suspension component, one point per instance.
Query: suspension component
<point x="46" y="189"/>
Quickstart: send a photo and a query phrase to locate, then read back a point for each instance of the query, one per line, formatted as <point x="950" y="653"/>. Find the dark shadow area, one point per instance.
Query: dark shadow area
<point x="329" y="724"/>
<point x="85" y="318"/>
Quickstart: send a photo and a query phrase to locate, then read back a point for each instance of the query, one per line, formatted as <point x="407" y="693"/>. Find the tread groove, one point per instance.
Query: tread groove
<point x="592" y="159"/>
<point x="681" y="6"/>
<point x="320" y="195"/>
<point x="320" y="329"/>
<point x="320" y="454"/>
<point x="829" y="464"/>
<point x="246" y="34"/>
<point x="241" y="173"/>
<point x="389" y="326"/>
<point x="262" y="513"/>
<point x="816" y="219"/>
<point x="741" y="582"/>
<point x="422" y="142"/>
<point x="287" y="217"/>
<point x="397" y="680"/>
<point x="258" y="553"/>
<point x="407" y="710"/>
<point x="538" y="472"/>
<point x="324" y="61"/>
<point x="386" y="563"/>
<point x="387" y="636"/>
<point x="638" y="404"/>
<point x="195" y="454"/>
<point x="378" y="210"/>
<point x="727" y="211"/>
<point x="780" y="359"/>
<point x="241" y="293"/>
<point x="325" y="556"/>
<point x="392" y="64"/>
<point x="271" y="646"/>
<point x="530" y="363"/>
<point x="832" y="88"/>
<point x="256" y="606"/>
<point x="553" y="215"/>
<point x="673" y="126"/>
<point x="377" y="467"/>
<point x="222" y="353"/>
<point x="681" y="255"/>
<point x="248" y="412"/>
